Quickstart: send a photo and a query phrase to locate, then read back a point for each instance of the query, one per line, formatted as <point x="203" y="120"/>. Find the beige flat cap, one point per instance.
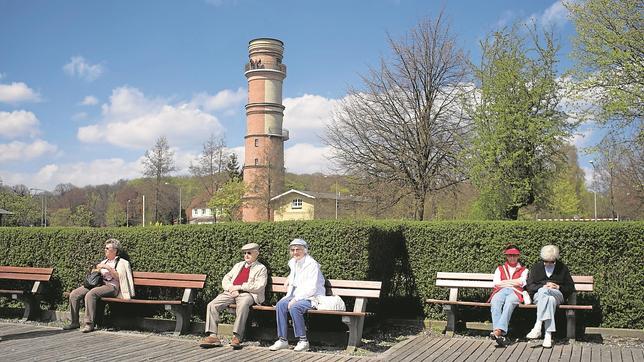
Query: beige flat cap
<point x="251" y="246"/>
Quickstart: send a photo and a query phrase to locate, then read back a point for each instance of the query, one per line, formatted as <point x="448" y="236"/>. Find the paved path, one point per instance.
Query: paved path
<point x="30" y="342"/>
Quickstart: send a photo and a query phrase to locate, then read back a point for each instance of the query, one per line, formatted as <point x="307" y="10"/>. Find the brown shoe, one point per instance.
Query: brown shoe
<point x="210" y="342"/>
<point x="88" y="328"/>
<point x="235" y="343"/>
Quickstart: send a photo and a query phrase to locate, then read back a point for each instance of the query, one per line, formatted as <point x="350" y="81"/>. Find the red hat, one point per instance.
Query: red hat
<point x="512" y="251"/>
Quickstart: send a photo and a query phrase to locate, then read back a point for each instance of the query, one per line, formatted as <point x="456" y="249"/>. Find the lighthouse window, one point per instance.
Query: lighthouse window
<point x="296" y="204"/>
<point x="256" y="161"/>
<point x="256" y="142"/>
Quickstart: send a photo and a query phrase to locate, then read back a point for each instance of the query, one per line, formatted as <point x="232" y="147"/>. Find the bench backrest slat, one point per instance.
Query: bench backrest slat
<point x="583" y="283"/>
<point x="26" y="273"/>
<point x="172" y="280"/>
<point x="343" y="288"/>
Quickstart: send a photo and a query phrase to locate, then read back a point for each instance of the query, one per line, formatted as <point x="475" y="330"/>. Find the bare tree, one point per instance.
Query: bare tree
<point x="405" y="126"/>
<point x="158" y="163"/>
<point x="211" y="162"/>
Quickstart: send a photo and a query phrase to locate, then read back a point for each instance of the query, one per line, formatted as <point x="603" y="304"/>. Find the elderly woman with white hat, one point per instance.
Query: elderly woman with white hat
<point x="550" y="283"/>
<point x="305" y="284"/>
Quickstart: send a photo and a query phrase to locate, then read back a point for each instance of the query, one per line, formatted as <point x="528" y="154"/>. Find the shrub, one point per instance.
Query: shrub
<point x="404" y="255"/>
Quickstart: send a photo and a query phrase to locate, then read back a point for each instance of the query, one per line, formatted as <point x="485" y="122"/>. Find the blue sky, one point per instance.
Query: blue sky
<point x="87" y="86"/>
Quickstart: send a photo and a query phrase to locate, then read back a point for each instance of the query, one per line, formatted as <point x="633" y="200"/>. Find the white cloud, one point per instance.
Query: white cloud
<point x="96" y="172"/>
<point x="223" y="100"/>
<point x="132" y="120"/>
<point x="306" y="117"/>
<point x="17" y="92"/>
<point x="89" y="101"/>
<point x="20" y="151"/>
<point x="79" y="67"/>
<point x="555" y="15"/>
<point x="582" y="139"/>
<point x="18" y="123"/>
<point x="307" y="158"/>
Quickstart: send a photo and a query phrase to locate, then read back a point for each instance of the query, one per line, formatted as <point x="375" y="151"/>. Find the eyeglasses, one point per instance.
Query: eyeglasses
<point x="248" y="253"/>
<point x="548" y="262"/>
<point x="106" y="248"/>
<point x="295" y="249"/>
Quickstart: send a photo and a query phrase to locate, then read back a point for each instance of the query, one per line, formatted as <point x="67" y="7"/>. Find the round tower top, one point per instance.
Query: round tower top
<point x="266" y="45"/>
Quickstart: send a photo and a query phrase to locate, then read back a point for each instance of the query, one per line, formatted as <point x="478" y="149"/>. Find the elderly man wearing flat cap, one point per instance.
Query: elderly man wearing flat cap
<point x="305" y="283"/>
<point x="244" y="285"/>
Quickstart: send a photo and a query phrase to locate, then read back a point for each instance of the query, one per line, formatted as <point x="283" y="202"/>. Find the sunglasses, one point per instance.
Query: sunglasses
<point x="295" y="249"/>
<point x="548" y="262"/>
<point x="248" y="253"/>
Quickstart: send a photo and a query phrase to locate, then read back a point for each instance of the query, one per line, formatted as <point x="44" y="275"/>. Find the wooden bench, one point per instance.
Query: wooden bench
<point x="454" y="281"/>
<point x="29" y="296"/>
<point x="360" y="290"/>
<point x="181" y="308"/>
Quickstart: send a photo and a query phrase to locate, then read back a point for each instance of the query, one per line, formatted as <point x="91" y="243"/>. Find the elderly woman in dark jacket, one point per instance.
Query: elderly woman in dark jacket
<point x="549" y="283"/>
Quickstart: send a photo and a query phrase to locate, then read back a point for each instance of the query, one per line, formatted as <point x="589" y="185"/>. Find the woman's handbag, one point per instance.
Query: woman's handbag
<point x="93" y="279"/>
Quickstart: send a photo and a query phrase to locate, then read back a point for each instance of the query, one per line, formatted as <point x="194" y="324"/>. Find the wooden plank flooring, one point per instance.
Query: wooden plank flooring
<point x="31" y="342"/>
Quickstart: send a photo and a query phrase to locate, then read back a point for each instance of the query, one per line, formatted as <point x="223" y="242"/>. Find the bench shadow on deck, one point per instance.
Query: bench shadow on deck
<point x="33" y="342"/>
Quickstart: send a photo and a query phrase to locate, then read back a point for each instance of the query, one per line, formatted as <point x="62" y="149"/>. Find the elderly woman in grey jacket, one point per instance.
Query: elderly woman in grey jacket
<point x="117" y="282"/>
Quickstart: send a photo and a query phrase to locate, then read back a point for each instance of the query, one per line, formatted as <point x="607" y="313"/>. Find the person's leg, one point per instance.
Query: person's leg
<point x="540" y="301"/>
<point x="281" y="314"/>
<point x="212" y="311"/>
<point x="244" y="301"/>
<point x="297" y="311"/>
<point x="496" y="309"/>
<point x="552" y="300"/>
<point x="107" y="290"/>
<point x="511" y="302"/>
<point x="74" y="304"/>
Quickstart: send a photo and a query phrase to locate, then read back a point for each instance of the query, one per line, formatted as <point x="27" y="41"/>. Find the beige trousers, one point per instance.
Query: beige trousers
<point x="243" y="301"/>
<point x="91" y="296"/>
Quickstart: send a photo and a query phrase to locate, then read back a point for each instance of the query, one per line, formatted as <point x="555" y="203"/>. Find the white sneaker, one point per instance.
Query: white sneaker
<point x="526" y="297"/>
<point x="547" y="340"/>
<point x="534" y="333"/>
<point x="302" y="346"/>
<point x="279" y="344"/>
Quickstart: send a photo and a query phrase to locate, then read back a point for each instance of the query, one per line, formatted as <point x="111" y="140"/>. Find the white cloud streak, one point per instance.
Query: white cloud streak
<point x="21" y="151"/>
<point x="17" y="92"/>
<point x="79" y="67"/>
<point x="89" y="101"/>
<point x="132" y="120"/>
<point x="18" y="123"/>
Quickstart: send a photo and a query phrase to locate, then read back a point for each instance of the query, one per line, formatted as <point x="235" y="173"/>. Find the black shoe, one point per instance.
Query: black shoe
<point x="502" y="341"/>
<point x="492" y="336"/>
<point x="71" y="326"/>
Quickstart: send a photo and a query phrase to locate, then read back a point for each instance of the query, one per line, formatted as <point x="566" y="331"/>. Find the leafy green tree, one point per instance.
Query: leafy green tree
<point x="609" y="48"/>
<point x="228" y="200"/>
<point x="115" y="214"/>
<point x="82" y="216"/>
<point x="565" y="202"/>
<point x="61" y="217"/>
<point x="233" y="169"/>
<point x="518" y="129"/>
<point x="25" y="208"/>
<point x="158" y="163"/>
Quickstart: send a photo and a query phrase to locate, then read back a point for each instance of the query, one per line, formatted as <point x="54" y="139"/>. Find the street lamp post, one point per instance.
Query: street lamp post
<point x="592" y="163"/>
<point x="337" y="196"/>
<point x="127" y="214"/>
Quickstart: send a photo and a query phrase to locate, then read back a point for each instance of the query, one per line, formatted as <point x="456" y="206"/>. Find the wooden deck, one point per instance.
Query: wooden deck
<point x="31" y="342"/>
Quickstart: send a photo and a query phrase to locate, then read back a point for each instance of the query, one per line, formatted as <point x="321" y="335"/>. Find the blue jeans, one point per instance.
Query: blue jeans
<point x="297" y="315"/>
<point x="547" y="301"/>
<point x="502" y="306"/>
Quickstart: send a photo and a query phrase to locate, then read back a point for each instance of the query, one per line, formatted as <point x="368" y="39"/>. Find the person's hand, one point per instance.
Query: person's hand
<point x="290" y="303"/>
<point x="234" y="294"/>
<point x="101" y="266"/>
<point x="234" y="288"/>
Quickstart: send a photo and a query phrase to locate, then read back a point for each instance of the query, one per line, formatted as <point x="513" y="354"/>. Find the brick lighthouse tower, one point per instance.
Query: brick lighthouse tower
<point x="264" y="141"/>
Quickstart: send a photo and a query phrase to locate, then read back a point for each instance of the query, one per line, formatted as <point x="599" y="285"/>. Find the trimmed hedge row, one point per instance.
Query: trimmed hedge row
<point x="404" y="255"/>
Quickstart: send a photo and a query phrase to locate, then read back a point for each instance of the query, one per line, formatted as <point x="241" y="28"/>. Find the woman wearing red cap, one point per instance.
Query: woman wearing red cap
<point x="509" y="280"/>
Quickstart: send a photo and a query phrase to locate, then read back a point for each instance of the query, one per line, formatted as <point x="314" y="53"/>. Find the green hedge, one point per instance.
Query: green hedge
<point x="404" y="255"/>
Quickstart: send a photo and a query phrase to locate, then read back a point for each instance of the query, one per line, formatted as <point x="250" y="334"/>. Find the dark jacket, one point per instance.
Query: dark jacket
<point x="537" y="278"/>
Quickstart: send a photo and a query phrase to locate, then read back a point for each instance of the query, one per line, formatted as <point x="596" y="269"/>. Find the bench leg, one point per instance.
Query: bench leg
<point x="452" y="318"/>
<point x="182" y="314"/>
<point x="570" y="324"/>
<point x="99" y="313"/>
<point x="32" y="307"/>
<point x="355" y="325"/>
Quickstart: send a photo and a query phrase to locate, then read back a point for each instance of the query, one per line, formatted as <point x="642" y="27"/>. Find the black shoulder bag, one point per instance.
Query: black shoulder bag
<point x="95" y="278"/>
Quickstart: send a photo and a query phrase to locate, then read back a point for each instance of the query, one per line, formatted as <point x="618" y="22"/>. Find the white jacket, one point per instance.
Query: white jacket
<point x="305" y="280"/>
<point x="126" y="282"/>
